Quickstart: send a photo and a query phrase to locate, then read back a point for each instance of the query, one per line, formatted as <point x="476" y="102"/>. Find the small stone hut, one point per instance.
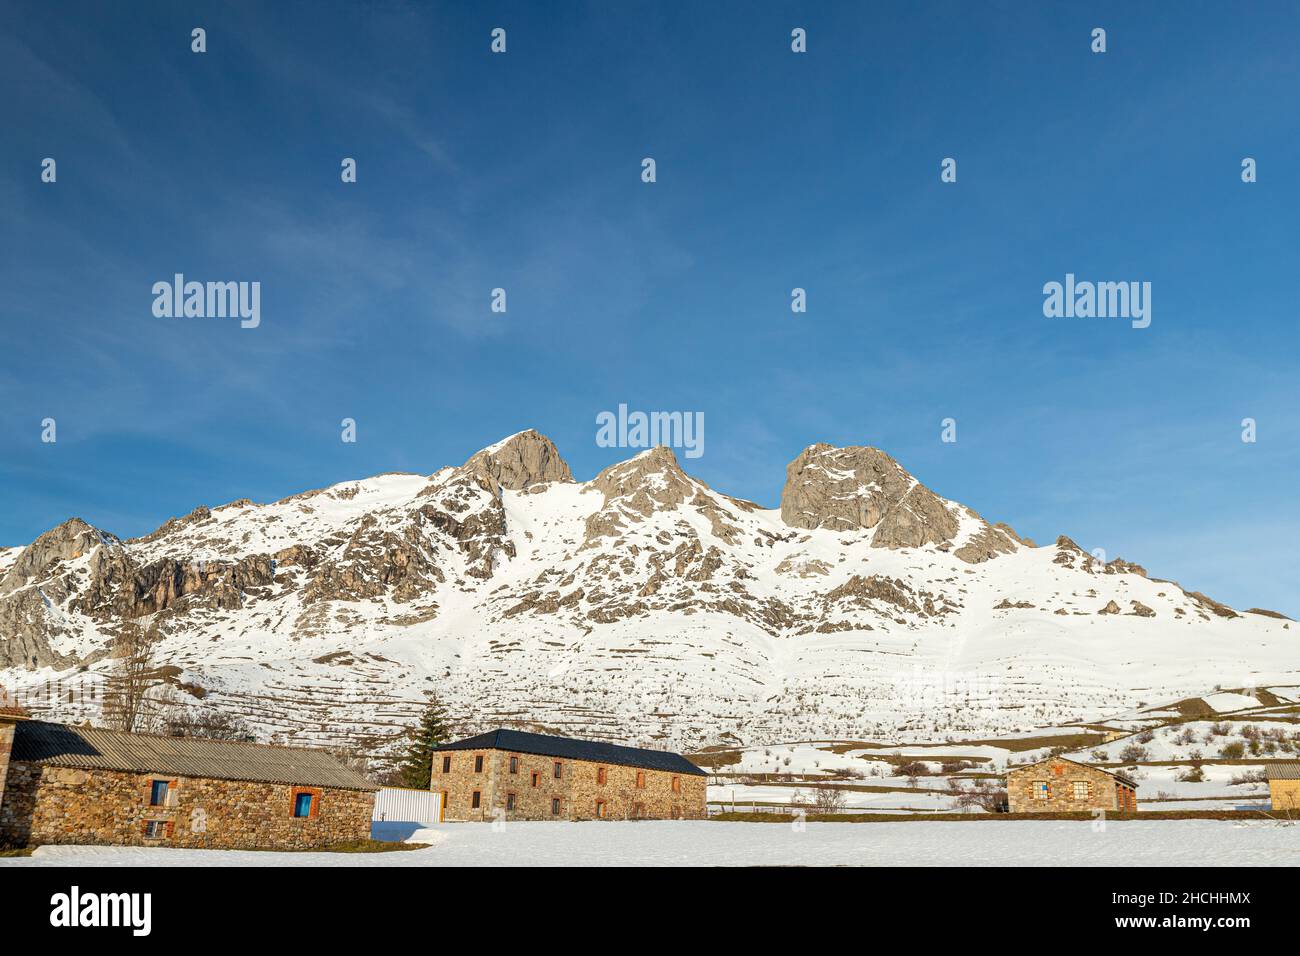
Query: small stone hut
<point x="1058" y="785"/>
<point x="62" y="784"/>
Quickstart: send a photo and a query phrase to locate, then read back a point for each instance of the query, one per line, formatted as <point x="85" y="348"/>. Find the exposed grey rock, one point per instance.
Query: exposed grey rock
<point x="519" y="462"/>
<point x="863" y="488"/>
<point x="66" y="542"/>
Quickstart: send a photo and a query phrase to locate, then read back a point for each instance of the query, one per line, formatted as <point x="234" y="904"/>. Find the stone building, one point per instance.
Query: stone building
<point x="512" y="775"/>
<point x="61" y="784"/>
<point x="1057" y="785"/>
<point x="1284" y="785"/>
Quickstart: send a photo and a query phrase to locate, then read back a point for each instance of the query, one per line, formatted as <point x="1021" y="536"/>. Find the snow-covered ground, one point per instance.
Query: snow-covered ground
<point x="699" y="843"/>
<point x="921" y="799"/>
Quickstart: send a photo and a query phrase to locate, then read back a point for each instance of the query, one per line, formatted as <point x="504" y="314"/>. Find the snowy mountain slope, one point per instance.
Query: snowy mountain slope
<point x="639" y="606"/>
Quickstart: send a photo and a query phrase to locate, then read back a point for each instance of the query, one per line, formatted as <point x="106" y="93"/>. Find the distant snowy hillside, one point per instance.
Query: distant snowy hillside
<point x="640" y="606"/>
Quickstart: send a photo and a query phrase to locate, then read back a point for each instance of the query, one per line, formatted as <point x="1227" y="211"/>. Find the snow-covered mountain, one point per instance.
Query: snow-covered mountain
<point x="639" y="606"/>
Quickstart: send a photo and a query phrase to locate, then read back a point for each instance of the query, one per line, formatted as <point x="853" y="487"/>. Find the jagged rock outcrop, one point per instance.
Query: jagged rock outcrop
<point x="652" y="482"/>
<point x="68" y="541"/>
<point x="863" y="488"/>
<point x="519" y="463"/>
<point x="1220" y="610"/>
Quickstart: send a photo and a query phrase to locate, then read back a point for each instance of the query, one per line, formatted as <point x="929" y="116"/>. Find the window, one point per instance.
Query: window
<point x="559" y="770"/>
<point x="555" y="806"/>
<point x="1042" y="790"/>
<point x="1082" y="789"/>
<point x="537" y="779"/>
<point x="157" y="829"/>
<point x="478" y="763"/>
<point x="158" y="793"/>
<point x="476" y="798"/>
<point x="514" y="764"/>
<point x="510" y="801"/>
<point x="677" y="784"/>
<point x="601" y="775"/>
<point x="600" y="809"/>
<point x="305" y="802"/>
<point x="640" y="779"/>
<point x="446" y="763"/>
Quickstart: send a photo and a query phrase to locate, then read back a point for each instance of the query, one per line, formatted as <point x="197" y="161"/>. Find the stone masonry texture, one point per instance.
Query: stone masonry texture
<point x="1099" y="790"/>
<point x="44" y="804"/>
<point x="578" y="789"/>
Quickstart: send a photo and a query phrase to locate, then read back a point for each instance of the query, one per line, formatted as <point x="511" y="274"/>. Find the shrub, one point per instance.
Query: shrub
<point x="913" y="769"/>
<point x="828" y="800"/>
<point x="1133" y="753"/>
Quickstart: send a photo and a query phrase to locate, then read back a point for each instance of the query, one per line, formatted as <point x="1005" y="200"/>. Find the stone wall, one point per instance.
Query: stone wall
<point x="6" y="747"/>
<point x="1104" y="792"/>
<point x="577" y="789"/>
<point x="44" y="804"/>
<point x="1285" y="794"/>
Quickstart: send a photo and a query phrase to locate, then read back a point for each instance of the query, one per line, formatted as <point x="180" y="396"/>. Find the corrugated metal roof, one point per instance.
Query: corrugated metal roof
<point x="1288" y="770"/>
<point x="546" y="745"/>
<point x="86" y="748"/>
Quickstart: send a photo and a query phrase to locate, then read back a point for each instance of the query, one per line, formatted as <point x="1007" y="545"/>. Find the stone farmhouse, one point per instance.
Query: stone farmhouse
<point x="1057" y="785"/>
<point x="1284" y="785"/>
<point x="62" y="784"/>
<point x="513" y="775"/>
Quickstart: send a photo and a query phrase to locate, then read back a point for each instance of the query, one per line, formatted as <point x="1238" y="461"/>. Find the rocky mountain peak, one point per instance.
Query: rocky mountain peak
<point x="653" y="474"/>
<point x="847" y="489"/>
<point x="519" y="462"/>
<point x="65" y="542"/>
<point x="860" y="488"/>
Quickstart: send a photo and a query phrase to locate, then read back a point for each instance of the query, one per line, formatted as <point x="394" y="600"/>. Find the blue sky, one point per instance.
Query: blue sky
<point x="775" y="170"/>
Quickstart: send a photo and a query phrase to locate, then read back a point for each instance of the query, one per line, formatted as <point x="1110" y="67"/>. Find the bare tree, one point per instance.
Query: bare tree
<point x="353" y="756"/>
<point x="912" y="770"/>
<point x="127" y="702"/>
<point x="985" y="795"/>
<point x="828" y="799"/>
<point x="178" y="720"/>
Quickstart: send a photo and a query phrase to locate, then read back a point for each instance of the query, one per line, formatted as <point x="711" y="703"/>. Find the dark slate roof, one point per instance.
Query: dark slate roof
<point x="85" y="748"/>
<point x="1286" y="770"/>
<point x="545" y="745"/>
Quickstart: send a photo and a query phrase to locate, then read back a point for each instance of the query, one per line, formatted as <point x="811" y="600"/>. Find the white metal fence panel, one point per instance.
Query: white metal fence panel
<point x="399" y="805"/>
